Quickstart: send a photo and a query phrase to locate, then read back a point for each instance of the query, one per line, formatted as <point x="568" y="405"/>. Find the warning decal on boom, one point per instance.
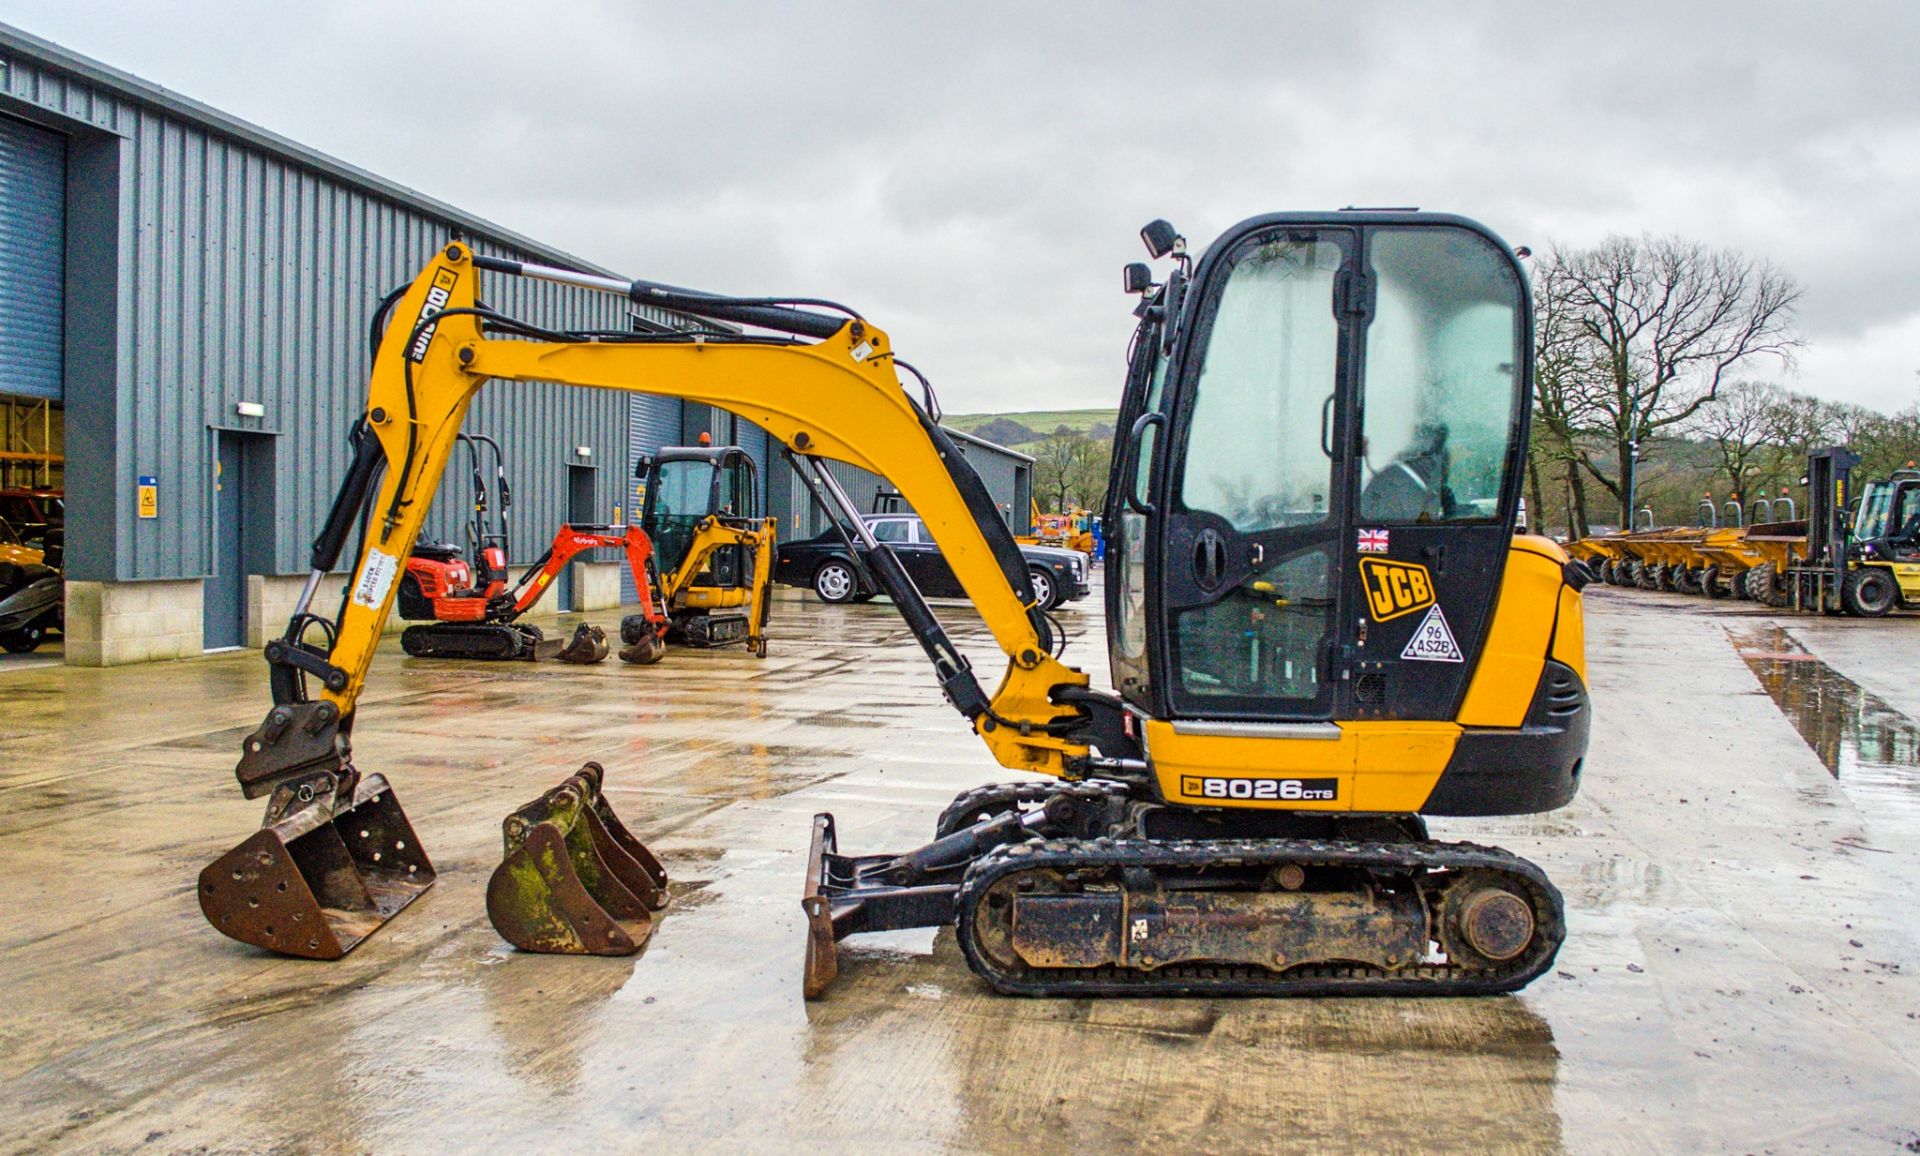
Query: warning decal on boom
<point x="1433" y="641"/>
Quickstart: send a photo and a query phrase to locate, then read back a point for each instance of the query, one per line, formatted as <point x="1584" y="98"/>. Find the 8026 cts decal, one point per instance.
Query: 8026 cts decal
<point x="1275" y="790"/>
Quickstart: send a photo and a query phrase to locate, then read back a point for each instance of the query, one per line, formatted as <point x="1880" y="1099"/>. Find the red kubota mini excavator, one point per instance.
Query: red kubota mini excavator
<point x="475" y="615"/>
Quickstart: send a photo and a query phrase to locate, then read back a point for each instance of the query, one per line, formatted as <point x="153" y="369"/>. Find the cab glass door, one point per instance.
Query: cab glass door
<point x="1442" y="428"/>
<point x="1250" y="551"/>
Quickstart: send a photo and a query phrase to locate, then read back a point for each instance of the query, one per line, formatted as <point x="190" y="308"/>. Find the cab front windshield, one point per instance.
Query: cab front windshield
<point x="682" y="495"/>
<point x="1870" y="520"/>
<point x="1887" y="511"/>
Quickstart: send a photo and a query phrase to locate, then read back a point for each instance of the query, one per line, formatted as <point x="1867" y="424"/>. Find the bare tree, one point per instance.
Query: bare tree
<point x="1656" y="326"/>
<point x="1070" y="469"/>
<point x="1562" y="407"/>
<point x="1739" y="424"/>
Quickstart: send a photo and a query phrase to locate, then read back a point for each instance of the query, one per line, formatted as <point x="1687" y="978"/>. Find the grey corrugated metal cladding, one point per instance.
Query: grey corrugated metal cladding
<point x="247" y="271"/>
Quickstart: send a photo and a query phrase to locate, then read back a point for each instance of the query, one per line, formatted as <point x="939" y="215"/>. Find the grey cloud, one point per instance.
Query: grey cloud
<point x="971" y="176"/>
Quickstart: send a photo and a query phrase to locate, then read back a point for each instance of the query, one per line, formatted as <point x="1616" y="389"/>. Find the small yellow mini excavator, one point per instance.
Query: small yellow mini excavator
<point x="713" y="553"/>
<point x="1321" y="624"/>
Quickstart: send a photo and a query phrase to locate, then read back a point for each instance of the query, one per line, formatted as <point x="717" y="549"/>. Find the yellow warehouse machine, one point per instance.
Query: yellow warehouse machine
<point x="1321" y="623"/>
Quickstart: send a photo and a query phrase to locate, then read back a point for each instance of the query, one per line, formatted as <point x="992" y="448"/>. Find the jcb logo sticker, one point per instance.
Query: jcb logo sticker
<point x="437" y="296"/>
<point x="1395" y="588"/>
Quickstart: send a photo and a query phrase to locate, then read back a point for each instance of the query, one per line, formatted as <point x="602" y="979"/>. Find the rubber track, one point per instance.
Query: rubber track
<point x="1240" y="979"/>
<point x="495" y="641"/>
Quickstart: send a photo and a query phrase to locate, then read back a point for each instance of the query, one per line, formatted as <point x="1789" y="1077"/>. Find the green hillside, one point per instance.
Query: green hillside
<point x="1022" y="429"/>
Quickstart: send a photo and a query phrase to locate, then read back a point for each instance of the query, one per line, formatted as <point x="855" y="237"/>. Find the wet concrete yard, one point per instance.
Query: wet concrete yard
<point x="1740" y="974"/>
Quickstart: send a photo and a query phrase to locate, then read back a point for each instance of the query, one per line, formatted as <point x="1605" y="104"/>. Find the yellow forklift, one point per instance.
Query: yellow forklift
<point x="1863" y="560"/>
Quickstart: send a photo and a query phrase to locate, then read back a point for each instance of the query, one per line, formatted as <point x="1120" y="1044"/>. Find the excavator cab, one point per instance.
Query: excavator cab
<point x="1317" y="471"/>
<point x="711" y="545"/>
<point x="686" y="485"/>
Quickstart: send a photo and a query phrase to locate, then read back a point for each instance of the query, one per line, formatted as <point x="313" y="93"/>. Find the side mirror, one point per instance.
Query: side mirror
<point x="1160" y="237"/>
<point x="1136" y="278"/>
<point x="642" y="466"/>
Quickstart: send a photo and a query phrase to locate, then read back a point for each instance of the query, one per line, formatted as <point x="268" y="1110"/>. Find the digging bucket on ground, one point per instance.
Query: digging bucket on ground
<point x="330" y="866"/>
<point x="574" y="880"/>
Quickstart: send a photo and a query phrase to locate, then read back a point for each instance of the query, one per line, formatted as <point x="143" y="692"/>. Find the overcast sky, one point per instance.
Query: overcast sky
<point x="972" y="176"/>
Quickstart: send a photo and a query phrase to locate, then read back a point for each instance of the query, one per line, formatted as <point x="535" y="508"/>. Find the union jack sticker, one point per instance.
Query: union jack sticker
<point x="1373" y="541"/>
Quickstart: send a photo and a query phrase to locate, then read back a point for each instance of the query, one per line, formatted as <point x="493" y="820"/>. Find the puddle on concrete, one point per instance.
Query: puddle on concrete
<point x="1871" y="748"/>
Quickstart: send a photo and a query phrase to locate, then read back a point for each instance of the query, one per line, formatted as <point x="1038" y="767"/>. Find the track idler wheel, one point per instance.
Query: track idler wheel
<point x="1483" y="922"/>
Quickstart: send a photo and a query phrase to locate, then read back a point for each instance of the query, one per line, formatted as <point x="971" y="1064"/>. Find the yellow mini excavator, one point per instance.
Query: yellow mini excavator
<point x="713" y="553"/>
<point x="1321" y="624"/>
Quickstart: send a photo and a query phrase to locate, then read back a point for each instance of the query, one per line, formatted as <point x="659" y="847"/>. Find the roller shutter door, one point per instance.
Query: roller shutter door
<point x="652" y="422"/>
<point x="33" y="193"/>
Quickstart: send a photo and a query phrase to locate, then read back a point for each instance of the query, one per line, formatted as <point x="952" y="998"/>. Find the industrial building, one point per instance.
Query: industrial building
<point x="184" y="307"/>
<point x="1008" y="475"/>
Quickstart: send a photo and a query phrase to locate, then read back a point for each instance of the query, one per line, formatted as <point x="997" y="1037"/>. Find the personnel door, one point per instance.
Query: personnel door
<point x="736" y="495"/>
<point x="1341" y="478"/>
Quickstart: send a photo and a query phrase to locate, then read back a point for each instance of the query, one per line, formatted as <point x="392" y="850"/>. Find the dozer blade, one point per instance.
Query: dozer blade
<point x="574" y="881"/>
<point x="852" y="894"/>
<point x="823" y="946"/>
<point x="321" y="879"/>
<point x="588" y="646"/>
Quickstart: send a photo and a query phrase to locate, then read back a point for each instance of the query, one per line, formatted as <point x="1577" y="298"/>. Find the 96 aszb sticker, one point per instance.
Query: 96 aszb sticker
<point x="1275" y="790"/>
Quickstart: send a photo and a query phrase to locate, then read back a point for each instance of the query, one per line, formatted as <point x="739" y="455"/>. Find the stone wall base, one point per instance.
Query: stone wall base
<point x="114" y="623"/>
<point x="596" y="585"/>
<point x="271" y="599"/>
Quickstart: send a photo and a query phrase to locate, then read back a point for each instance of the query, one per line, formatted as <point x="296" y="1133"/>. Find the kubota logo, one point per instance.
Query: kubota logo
<point x="1395" y="588"/>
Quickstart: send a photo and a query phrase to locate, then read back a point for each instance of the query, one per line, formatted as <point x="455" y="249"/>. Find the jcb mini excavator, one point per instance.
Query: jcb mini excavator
<point x="713" y="552"/>
<point x="1321" y="624"/>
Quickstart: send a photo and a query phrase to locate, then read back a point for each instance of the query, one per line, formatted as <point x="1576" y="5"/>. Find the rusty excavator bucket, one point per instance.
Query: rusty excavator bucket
<point x="575" y="881"/>
<point x="334" y="859"/>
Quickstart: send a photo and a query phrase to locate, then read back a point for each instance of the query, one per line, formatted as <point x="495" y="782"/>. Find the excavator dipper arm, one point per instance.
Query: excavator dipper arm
<point x="570" y="541"/>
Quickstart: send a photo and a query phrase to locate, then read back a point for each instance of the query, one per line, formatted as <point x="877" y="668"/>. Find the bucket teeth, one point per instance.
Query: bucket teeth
<point x="322" y="877"/>
<point x="574" y="880"/>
